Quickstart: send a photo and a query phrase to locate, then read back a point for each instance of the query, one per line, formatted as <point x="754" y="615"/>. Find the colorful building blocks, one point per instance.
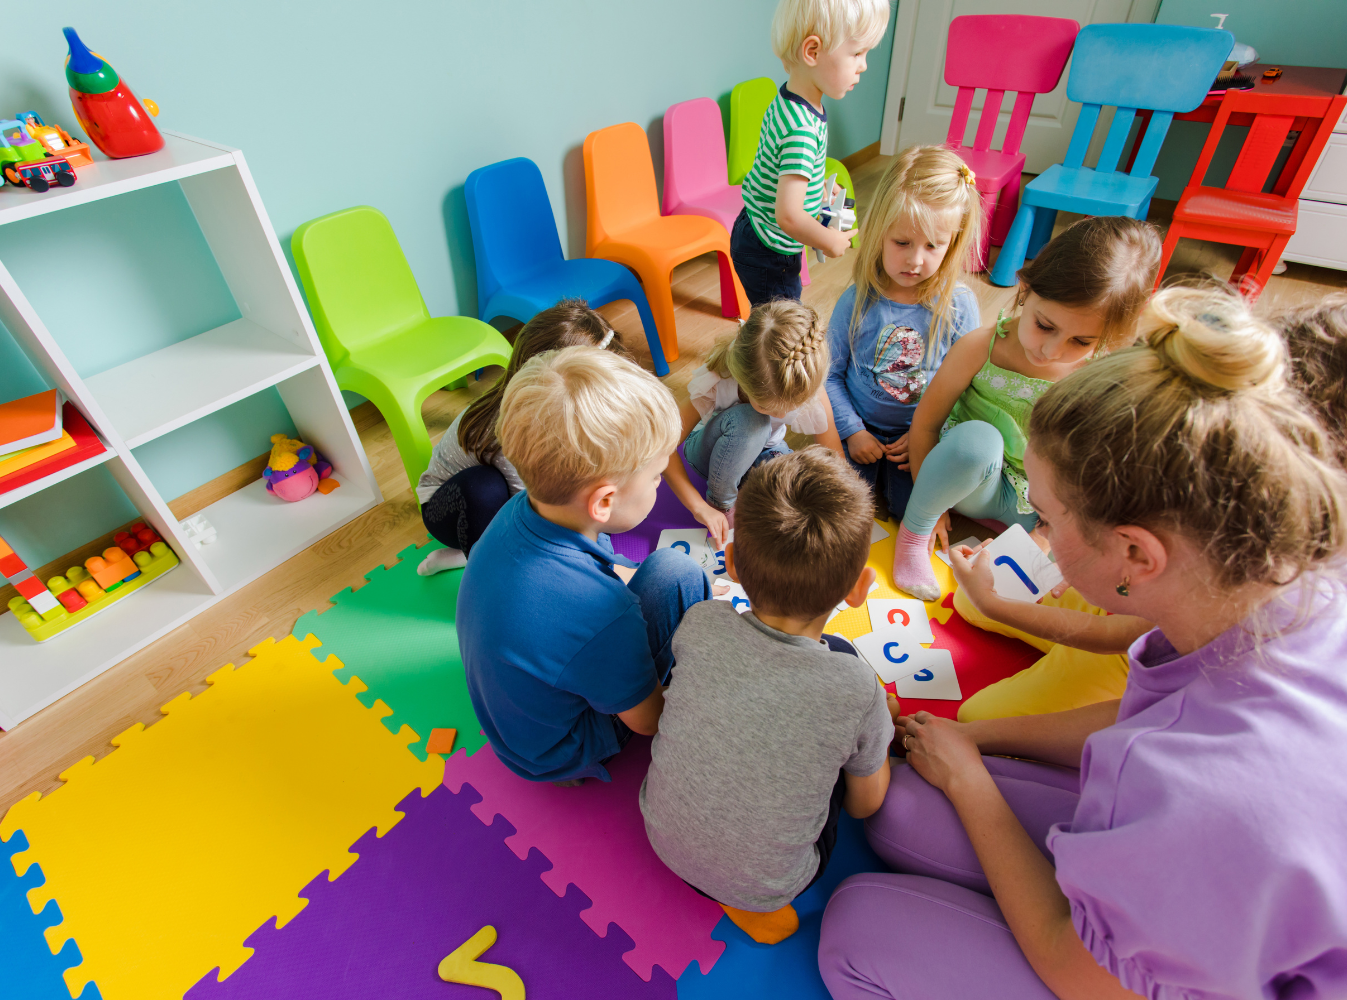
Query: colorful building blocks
<point x="56" y="140"/>
<point x="85" y="590"/>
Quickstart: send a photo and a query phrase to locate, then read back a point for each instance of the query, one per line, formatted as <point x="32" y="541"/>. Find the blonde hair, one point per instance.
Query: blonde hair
<point x="1196" y="431"/>
<point x="779" y="357"/>
<point x="579" y="416"/>
<point x="927" y="185"/>
<point x="801" y="532"/>
<point x="833" y="21"/>
<point x="1107" y="263"/>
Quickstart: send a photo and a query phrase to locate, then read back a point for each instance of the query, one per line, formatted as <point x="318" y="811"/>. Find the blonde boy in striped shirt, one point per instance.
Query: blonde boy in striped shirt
<point x="823" y="45"/>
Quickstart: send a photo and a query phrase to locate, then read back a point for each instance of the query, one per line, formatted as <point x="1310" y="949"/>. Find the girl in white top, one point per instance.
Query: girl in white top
<point x="469" y="479"/>
<point x="768" y="376"/>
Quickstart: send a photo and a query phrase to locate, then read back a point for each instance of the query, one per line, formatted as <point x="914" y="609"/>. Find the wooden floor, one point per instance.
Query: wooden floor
<point x="81" y="724"/>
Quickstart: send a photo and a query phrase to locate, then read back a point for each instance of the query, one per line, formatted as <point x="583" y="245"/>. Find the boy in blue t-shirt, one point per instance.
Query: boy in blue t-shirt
<point x="822" y="44"/>
<point x="565" y="643"/>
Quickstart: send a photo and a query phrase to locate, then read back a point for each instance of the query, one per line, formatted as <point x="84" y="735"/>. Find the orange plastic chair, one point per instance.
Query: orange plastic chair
<point x="624" y="225"/>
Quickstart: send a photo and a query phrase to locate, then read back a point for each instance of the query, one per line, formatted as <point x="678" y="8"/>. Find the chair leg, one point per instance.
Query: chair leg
<point x="804" y="267"/>
<point x="1247" y="262"/>
<point x="981" y="254"/>
<point x="652" y="337"/>
<point x="659" y="293"/>
<point x="1007" y="203"/>
<point x="1045" y="219"/>
<point x="412" y="440"/>
<point x="1012" y="252"/>
<point x="1259" y="280"/>
<point x="1167" y="251"/>
<point x="733" y="299"/>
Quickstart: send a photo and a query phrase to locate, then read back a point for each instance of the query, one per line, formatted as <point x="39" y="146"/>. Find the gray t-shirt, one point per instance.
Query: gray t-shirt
<point x="448" y="459"/>
<point x="756" y="725"/>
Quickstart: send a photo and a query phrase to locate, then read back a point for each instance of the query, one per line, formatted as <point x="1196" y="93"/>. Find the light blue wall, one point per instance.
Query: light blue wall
<point x="336" y="104"/>
<point x="1292" y="32"/>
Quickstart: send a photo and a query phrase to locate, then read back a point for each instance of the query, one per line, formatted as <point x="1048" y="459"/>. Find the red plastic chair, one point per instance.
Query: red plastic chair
<point x="694" y="164"/>
<point x="1001" y="52"/>
<point x="1242" y="212"/>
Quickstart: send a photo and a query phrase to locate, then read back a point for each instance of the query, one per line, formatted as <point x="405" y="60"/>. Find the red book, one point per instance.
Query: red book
<point x="87" y="445"/>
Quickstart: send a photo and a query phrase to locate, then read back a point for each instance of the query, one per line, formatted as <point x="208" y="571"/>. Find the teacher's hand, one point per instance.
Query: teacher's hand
<point x="940" y="749"/>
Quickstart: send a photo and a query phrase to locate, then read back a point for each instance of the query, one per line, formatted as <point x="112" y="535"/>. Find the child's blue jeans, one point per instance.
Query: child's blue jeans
<point x="667" y="584"/>
<point x="725" y="448"/>
<point x="888" y="481"/>
<point x="963" y="473"/>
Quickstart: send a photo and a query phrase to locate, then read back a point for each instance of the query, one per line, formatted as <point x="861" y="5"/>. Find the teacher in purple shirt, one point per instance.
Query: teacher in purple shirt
<point x="1188" y="842"/>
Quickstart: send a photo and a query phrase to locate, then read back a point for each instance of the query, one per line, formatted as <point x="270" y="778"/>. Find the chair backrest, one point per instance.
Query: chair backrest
<point x="748" y="103"/>
<point x="1274" y="119"/>
<point x="619" y="182"/>
<point x="1003" y="52"/>
<point x="1164" y="68"/>
<point x="694" y="152"/>
<point x="514" y="233"/>
<point x="359" y="286"/>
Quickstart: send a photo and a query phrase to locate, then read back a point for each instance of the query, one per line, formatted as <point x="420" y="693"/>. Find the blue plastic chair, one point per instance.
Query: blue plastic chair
<point x="520" y="268"/>
<point x="1165" y="68"/>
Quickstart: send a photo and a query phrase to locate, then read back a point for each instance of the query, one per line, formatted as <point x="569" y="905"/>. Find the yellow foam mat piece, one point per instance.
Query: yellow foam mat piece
<point x="169" y="852"/>
<point x="855" y="622"/>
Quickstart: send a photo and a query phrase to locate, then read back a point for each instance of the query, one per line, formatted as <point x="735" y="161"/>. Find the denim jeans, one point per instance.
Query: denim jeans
<point x="764" y="273"/>
<point x="725" y="448"/>
<point x="890" y="483"/>
<point x="667" y="584"/>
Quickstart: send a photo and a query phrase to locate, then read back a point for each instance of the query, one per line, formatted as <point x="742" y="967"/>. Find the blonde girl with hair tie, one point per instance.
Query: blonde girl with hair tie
<point x="891" y="329"/>
<point x="766" y="377"/>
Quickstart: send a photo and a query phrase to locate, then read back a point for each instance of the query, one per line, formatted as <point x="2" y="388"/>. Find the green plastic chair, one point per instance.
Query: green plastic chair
<point x="379" y="337"/>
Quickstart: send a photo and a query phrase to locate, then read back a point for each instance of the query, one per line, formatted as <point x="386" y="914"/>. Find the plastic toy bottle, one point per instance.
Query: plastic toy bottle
<point x="108" y="112"/>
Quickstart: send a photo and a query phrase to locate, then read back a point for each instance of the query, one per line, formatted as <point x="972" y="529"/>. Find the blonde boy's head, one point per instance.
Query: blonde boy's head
<point x="832" y="21"/>
<point x="801" y="533"/>
<point x="580" y="416"/>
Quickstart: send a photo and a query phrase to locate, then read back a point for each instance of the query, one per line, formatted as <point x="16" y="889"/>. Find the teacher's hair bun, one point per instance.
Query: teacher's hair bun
<point x="1209" y="335"/>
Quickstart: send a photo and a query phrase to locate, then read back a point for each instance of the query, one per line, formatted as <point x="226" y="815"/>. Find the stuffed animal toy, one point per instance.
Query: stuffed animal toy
<point x="295" y="469"/>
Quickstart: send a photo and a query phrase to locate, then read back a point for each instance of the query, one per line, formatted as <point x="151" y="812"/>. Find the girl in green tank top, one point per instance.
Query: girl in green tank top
<point x="1079" y="297"/>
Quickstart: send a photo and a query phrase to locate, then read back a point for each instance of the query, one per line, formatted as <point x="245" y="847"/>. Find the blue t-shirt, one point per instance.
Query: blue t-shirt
<point x="878" y="378"/>
<point x="553" y="643"/>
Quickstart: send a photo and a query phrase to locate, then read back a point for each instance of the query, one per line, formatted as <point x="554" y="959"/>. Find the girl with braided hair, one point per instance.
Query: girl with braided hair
<point x="766" y="377"/>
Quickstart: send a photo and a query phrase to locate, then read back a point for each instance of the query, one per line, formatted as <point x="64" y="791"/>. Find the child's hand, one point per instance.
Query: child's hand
<point x="941" y="533"/>
<point x="715" y="521"/>
<point x="863" y="448"/>
<point x="837" y="242"/>
<point x="974" y="577"/>
<point x="894" y="710"/>
<point x="897" y="452"/>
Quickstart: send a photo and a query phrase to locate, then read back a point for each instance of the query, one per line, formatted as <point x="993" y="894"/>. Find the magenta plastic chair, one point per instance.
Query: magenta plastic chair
<point x="1001" y="52"/>
<point x="694" y="164"/>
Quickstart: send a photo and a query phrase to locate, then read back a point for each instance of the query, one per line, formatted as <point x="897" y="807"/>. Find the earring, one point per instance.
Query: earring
<point x="1122" y="587"/>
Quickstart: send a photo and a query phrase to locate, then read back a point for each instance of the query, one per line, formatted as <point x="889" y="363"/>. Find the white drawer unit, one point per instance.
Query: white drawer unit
<point x="1321" y="232"/>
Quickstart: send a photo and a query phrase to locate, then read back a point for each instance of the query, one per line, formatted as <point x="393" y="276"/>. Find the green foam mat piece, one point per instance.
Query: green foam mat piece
<point x="397" y="634"/>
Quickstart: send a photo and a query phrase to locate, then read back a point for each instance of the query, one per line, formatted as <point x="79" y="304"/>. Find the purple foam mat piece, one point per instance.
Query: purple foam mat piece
<point x="640" y="541"/>
<point x="415" y="895"/>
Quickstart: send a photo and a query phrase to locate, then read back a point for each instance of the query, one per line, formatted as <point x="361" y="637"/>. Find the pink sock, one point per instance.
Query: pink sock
<point x="912" y="565"/>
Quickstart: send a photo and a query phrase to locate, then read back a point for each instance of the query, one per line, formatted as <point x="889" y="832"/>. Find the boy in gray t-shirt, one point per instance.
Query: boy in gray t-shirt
<point x="770" y="728"/>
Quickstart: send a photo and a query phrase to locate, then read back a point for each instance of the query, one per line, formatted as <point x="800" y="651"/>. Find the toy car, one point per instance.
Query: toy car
<point x="55" y="140"/>
<point x="16" y="145"/>
<point x="40" y="175"/>
<point x="1271" y="74"/>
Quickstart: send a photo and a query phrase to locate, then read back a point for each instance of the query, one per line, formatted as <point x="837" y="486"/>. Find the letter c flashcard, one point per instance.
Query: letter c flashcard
<point x="905" y="613"/>
<point x="933" y="677"/>
<point x="735" y="595"/>
<point x="892" y="652"/>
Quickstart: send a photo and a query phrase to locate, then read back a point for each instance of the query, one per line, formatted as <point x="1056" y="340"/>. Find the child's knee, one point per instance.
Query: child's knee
<point x="975" y="444"/>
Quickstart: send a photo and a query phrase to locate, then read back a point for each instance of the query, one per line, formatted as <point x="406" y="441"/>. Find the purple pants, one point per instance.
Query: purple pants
<point x="934" y="932"/>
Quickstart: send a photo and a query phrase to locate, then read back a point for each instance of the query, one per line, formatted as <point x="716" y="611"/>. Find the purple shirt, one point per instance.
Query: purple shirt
<point x="1208" y="854"/>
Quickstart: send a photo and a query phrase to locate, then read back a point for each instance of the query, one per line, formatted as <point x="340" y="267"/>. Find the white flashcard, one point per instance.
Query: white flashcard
<point x="934" y="678"/>
<point x="906" y="613"/>
<point x="972" y="541"/>
<point x="735" y="595"/>
<point x="842" y="605"/>
<point x="877" y="532"/>
<point x="691" y="541"/>
<point x="1020" y="569"/>
<point x="892" y="652"/>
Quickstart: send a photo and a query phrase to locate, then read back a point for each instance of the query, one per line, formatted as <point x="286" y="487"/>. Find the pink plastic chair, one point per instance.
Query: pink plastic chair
<point x="695" y="171"/>
<point x="1001" y="52"/>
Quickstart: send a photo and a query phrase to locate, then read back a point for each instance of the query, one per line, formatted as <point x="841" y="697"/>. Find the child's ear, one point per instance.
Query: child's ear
<point x="810" y="49"/>
<point x="730" y="571"/>
<point x="1021" y="293"/>
<point x="857" y="595"/>
<point x="599" y="502"/>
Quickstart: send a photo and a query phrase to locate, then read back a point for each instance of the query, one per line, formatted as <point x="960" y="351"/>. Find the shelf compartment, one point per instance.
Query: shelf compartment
<point x="181" y="156"/>
<point x="33" y="675"/>
<point x="37" y="485"/>
<point x="256" y="532"/>
<point x="148" y="397"/>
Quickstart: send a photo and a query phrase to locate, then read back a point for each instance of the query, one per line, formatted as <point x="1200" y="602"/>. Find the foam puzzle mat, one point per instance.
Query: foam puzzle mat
<point x="286" y="835"/>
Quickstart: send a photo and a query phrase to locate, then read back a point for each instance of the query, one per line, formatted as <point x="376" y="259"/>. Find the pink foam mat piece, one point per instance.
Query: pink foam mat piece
<point x="595" y="838"/>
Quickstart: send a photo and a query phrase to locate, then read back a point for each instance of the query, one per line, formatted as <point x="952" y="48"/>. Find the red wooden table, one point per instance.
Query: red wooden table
<point x="1295" y="81"/>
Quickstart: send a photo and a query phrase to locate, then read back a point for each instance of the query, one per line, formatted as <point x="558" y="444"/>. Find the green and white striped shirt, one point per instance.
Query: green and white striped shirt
<point x="794" y="140"/>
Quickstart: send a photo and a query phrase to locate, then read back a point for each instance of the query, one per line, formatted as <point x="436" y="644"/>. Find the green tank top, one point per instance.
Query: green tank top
<point x="1003" y="399"/>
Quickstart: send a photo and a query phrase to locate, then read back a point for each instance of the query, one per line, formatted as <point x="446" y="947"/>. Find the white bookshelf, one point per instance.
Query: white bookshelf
<point x="273" y="344"/>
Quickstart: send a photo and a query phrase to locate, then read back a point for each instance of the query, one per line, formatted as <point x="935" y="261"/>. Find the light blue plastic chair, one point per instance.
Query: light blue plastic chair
<point x="520" y="268"/>
<point x="1164" y="68"/>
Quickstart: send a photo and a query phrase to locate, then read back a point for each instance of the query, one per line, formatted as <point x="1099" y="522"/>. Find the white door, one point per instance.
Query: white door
<point x="917" y="82"/>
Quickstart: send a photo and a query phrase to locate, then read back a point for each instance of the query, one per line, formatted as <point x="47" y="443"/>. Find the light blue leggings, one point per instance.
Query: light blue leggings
<point x="964" y="473"/>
